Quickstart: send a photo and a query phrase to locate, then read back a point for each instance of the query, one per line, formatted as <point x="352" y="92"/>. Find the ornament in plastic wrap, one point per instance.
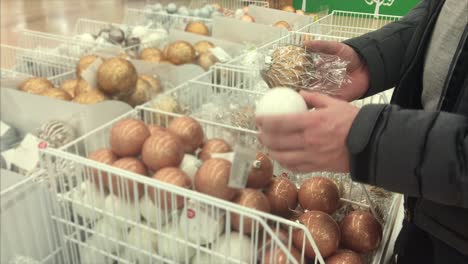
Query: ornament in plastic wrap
<point x="57" y="93"/>
<point x="56" y="133"/>
<point x="203" y="46"/>
<point x="69" y="86"/>
<point x="155" y="38"/>
<point x="84" y="63"/>
<point x="120" y="208"/>
<point x="235" y="246"/>
<point x="361" y="232"/>
<point x="324" y="230"/>
<point x="143" y="239"/>
<point x="154" y="82"/>
<point x="206" y="60"/>
<point x="283" y="24"/>
<point x="294" y="67"/>
<point x="139" y="31"/>
<point x="117" y="77"/>
<point x="180" y="52"/>
<point x="85" y="37"/>
<point x="166" y="103"/>
<point x="85" y="198"/>
<point x="151" y="54"/>
<point x="169" y="247"/>
<point x="197" y="27"/>
<point x="35" y="85"/>
<point x="116" y="35"/>
<point x="108" y="235"/>
<point x="91" y="97"/>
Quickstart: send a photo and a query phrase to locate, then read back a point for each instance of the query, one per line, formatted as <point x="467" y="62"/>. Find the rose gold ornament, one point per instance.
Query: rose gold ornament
<point x="324" y="230"/>
<point x="261" y="173"/>
<point x="173" y="176"/>
<point x="91" y="97"/>
<point x="57" y="93"/>
<point x="319" y="194"/>
<point x="282" y="194"/>
<point x="127" y="137"/>
<point x="189" y="131"/>
<point x="212" y="178"/>
<point x="278" y="256"/>
<point x="155" y="129"/>
<point x="248" y="18"/>
<point x="251" y="198"/>
<point x="361" y="232"/>
<point x="162" y="150"/>
<point x="126" y="188"/>
<point x="215" y="145"/>
<point x="107" y="157"/>
<point x="344" y="256"/>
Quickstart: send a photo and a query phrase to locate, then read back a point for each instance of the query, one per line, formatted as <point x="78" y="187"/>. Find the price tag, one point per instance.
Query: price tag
<point x="242" y="163"/>
<point x="3" y="128"/>
<point x="220" y="54"/>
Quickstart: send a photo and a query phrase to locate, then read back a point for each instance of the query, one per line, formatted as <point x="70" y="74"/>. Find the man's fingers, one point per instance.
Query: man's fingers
<point x="282" y="143"/>
<point x="324" y="46"/>
<point x="317" y="100"/>
<point x="290" y="159"/>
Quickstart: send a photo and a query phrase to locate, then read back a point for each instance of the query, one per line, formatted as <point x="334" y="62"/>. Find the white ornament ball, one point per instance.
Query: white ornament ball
<point x="157" y="7"/>
<point x="143" y="239"/>
<point x="196" y="12"/>
<point x="88" y="254"/>
<point x="152" y="213"/>
<point x="85" y="37"/>
<point x="183" y="10"/>
<point x="139" y="32"/>
<point x="86" y="199"/>
<point x="170" y="248"/>
<point x="203" y="258"/>
<point x="171" y="8"/>
<point x="238" y="13"/>
<point x="236" y="246"/>
<point x="280" y="100"/>
<point x="205" y="13"/>
<point x="108" y="235"/>
<point x="190" y="165"/>
<point x="117" y="207"/>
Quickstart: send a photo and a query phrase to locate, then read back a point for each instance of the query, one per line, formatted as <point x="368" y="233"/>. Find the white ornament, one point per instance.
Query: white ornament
<point x="196" y="12"/>
<point x="204" y="258"/>
<point x="92" y="255"/>
<point x="108" y="235"/>
<point x="124" y="209"/>
<point x="169" y="247"/>
<point x="152" y="213"/>
<point x="205" y="13"/>
<point x="156" y="38"/>
<point x="157" y="7"/>
<point x="280" y="100"/>
<point x="86" y="199"/>
<point x="235" y="246"/>
<point x="141" y="238"/>
<point x="171" y="8"/>
<point x="238" y="14"/>
<point x="139" y="32"/>
<point x="85" y="37"/>
<point x="190" y="165"/>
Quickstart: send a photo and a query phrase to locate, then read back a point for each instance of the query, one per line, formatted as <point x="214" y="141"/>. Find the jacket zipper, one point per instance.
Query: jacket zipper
<point x="452" y="68"/>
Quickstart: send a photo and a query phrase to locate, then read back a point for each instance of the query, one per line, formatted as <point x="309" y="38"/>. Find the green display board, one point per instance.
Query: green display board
<point x="384" y="7"/>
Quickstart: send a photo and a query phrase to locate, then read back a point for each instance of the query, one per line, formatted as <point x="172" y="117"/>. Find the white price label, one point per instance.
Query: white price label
<point x="3" y="128"/>
<point x="221" y="54"/>
<point x="241" y="166"/>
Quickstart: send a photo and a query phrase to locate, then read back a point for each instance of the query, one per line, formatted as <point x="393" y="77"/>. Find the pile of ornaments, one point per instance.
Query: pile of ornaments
<point x="206" y="12"/>
<point x="182" y="52"/>
<point x="180" y="155"/>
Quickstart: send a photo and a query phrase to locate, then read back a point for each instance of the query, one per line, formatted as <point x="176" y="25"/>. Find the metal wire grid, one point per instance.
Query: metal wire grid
<point x="34" y="62"/>
<point x="348" y="24"/>
<point x="27" y="232"/>
<point x="138" y="17"/>
<point x="228" y="4"/>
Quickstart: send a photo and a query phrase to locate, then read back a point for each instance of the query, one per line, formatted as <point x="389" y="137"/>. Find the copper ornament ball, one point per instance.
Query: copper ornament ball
<point x="206" y="60"/>
<point x="155" y="83"/>
<point x="162" y="150"/>
<point x="117" y="77"/>
<point x="35" y="85"/>
<point x="278" y="256"/>
<point x="106" y="156"/>
<point x="174" y="176"/>
<point x="361" y="232"/>
<point x="319" y="194"/>
<point x="248" y="18"/>
<point x="215" y="145"/>
<point x="57" y="93"/>
<point x="189" y="131"/>
<point x="203" y="46"/>
<point x="152" y="54"/>
<point x="69" y="86"/>
<point x="197" y="27"/>
<point x="180" y="52"/>
<point x="283" y="24"/>
<point x="251" y="198"/>
<point x="84" y="63"/>
<point x="324" y="230"/>
<point x="91" y="97"/>
<point x="344" y="256"/>
<point x="155" y="129"/>
<point x="212" y="178"/>
<point x="140" y="95"/>
<point x="260" y="177"/>
<point x="126" y="188"/>
<point x="128" y="136"/>
<point x="289" y="8"/>
<point x="282" y="194"/>
<point x="265" y="239"/>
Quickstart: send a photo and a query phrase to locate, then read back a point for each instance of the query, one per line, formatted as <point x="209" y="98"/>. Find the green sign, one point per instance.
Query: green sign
<point x="384" y="7"/>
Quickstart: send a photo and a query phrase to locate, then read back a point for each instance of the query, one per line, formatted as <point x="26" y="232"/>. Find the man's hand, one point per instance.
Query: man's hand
<point x="311" y="141"/>
<point x="357" y="69"/>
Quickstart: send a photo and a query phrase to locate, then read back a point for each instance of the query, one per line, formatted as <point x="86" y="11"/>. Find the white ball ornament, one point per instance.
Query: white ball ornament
<point x="205" y="13"/>
<point x="157" y="7"/>
<point x="152" y="213"/>
<point x="238" y="13"/>
<point x="125" y="209"/>
<point x="236" y="246"/>
<point x="280" y="100"/>
<point x="171" y="8"/>
<point x="139" y="32"/>
<point x="108" y="235"/>
<point x="86" y="197"/>
<point x="170" y="248"/>
<point x="143" y="239"/>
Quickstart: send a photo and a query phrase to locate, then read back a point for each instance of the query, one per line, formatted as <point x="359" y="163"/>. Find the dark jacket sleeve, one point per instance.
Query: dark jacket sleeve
<point x="417" y="153"/>
<point x="384" y="50"/>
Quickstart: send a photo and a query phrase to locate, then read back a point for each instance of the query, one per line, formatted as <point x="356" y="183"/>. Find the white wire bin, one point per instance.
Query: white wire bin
<point x="34" y="63"/>
<point x="348" y="24"/>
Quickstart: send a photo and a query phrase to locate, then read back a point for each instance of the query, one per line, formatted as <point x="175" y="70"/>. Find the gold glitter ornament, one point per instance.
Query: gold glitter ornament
<point x="141" y="94"/>
<point x="57" y="93"/>
<point x="155" y="83"/>
<point x="203" y="46"/>
<point x="152" y="54"/>
<point x="69" y="86"/>
<point x="91" y="97"/>
<point x="180" y="52"/>
<point x="117" y="77"/>
<point x="35" y="85"/>
<point x="84" y="63"/>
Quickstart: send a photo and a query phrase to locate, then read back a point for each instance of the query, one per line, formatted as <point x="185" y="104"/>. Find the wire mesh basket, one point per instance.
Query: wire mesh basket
<point x="348" y="24"/>
<point x="34" y="62"/>
<point x="28" y="234"/>
<point x="136" y="17"/>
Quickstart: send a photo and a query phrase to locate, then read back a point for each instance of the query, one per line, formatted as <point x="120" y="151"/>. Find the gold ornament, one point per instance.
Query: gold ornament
<point x="203" y="46"/>
<point x="69" y="86"/>
<point x="206" y="60"/>
<point x="152" y="54"/>
<point x="180" y="52"/>
<point x="289" y="8"/>
<point x="141" y="94"/>
<point x="83" y="87"/>
<point x="155" y="83"/>
<point x="35" y="85"/>
<point x="197" y="28"/>
<point x="57" y="93"/>
<point x="300" y="12"/>
<point x="283" y="24"/>
<point x="91" y="97"/>
<point x="84" y="63"/>
<point x="117" y="77"/>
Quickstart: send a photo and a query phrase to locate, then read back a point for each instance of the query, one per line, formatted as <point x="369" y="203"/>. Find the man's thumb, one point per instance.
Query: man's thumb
<point x="317" y="100"/>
